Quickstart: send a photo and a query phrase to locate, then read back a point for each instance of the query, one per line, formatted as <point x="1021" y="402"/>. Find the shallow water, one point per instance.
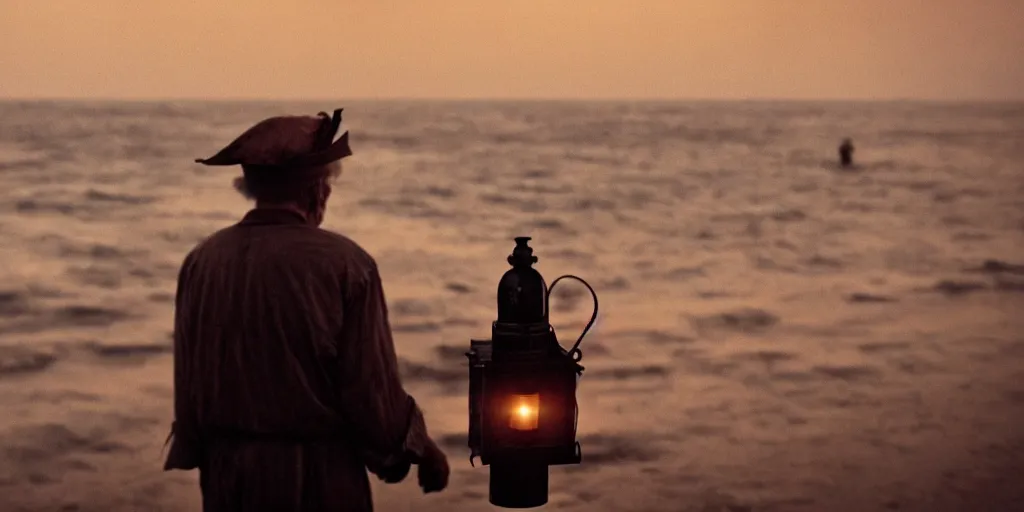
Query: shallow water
<point x="775" y="334"/>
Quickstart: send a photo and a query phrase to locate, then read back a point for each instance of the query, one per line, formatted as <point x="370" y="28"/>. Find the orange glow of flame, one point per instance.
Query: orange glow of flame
<point x="524" y="412"/>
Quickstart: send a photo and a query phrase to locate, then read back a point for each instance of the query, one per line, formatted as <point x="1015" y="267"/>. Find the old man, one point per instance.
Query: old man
<point x="286" y="386"/>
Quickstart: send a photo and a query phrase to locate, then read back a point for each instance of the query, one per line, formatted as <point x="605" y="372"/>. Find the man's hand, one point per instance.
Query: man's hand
<point x="433" y="470"/>
<point x="395" y="473"/>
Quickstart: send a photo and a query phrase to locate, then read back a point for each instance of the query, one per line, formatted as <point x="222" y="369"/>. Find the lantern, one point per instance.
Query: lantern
<point x="522" y="388"/>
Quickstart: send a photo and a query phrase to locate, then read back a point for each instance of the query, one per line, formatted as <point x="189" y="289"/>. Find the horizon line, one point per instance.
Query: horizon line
<point x="498" y="99"/>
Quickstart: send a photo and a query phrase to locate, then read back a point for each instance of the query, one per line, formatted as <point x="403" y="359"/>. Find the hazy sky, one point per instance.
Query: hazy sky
<point x="313" y="49"/>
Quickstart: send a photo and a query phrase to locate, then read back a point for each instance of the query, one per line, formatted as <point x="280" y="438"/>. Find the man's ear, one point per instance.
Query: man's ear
<point x="242" y="187"/>
<point x="327" y="189"/>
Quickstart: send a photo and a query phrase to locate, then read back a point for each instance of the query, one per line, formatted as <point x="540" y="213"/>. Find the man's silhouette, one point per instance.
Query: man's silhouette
<point x="846" y="153"/>
<point x="286" y="386"/>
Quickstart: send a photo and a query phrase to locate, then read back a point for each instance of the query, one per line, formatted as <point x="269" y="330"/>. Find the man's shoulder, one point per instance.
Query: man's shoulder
<point x="308" y="245"/>
<point x="212" y="240"/>
<point x="338" y="240"/>
<point x="344" y="247"/>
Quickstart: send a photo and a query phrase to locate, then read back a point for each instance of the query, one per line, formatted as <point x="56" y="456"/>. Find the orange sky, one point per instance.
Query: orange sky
<point x="313" y="49"/>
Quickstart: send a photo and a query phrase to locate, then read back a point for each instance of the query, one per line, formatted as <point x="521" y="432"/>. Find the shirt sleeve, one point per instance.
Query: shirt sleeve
<point x="385" y="418"/>
<point x="184" y="452"/>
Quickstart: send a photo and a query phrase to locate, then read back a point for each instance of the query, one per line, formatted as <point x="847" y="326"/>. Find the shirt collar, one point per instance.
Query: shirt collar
<point x="271" y="216"/>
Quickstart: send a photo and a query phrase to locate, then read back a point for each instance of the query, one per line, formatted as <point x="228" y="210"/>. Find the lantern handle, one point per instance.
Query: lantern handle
<point x="575" y="353"/>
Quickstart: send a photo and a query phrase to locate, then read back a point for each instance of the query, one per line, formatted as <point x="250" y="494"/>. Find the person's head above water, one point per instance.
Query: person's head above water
<point x="288" y="162"/>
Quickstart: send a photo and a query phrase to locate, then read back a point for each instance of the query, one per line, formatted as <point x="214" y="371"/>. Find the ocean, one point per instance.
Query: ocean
<point x="775" y="333"/>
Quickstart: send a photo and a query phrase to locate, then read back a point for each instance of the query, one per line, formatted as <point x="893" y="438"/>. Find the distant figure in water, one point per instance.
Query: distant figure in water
<point x="286" y="384"/>
<point x="846" y="153"/>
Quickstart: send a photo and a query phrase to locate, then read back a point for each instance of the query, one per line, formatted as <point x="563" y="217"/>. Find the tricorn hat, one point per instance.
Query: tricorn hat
<point x="286" y="141"/>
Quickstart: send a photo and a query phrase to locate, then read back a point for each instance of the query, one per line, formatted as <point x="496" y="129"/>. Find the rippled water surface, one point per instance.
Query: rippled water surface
<point x="775" y="334"/>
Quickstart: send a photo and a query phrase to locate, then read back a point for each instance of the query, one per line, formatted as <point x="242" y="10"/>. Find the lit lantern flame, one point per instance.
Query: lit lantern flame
<point x="524" y="412"/>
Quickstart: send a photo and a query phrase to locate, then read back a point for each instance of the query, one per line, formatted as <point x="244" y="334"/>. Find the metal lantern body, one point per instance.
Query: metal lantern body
<point x="522" y="400"/>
